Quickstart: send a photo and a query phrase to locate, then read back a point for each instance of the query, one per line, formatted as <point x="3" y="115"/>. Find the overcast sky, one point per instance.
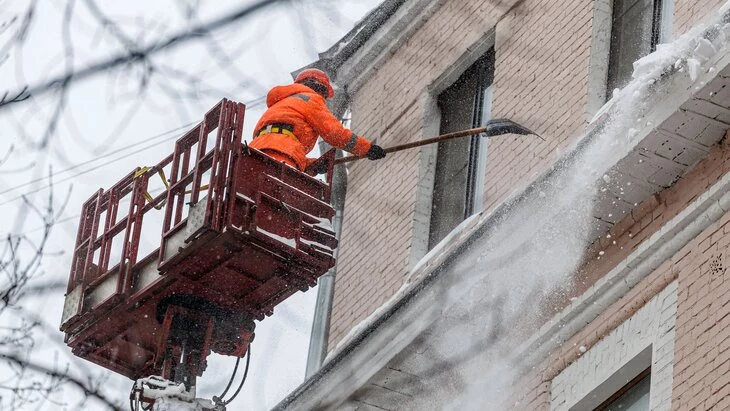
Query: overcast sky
<point x="109" y="126"/>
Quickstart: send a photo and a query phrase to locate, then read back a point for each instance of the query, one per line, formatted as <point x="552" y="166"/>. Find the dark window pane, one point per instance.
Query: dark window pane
<point x="635" y="398"/>
<point x="634" y="34"/>
<point x="462" y="107"/>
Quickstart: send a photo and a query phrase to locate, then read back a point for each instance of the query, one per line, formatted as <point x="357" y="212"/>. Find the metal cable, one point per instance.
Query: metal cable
<point x="230" y="382"/>
<point x="245" y="374"/>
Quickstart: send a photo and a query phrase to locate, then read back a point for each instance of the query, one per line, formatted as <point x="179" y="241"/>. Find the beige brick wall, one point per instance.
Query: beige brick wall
<point x="534" y="392"/>
<point x="688" y="12"/>
<point x="379" y="212"/>
<point x="541" y="80"/>
<point x="702" y="367"/>
<point x="381" y="199"/>
<point x="702" y="296"/>
<point x="649" y="335"/>
<point x="701" y="370"/>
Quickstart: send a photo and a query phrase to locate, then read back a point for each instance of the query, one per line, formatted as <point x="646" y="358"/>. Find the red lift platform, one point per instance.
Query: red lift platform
<point x="158" y="282"/>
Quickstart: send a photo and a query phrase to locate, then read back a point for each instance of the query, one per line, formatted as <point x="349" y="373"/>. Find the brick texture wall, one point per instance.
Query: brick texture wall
<point x="535" y="389"/>
<point x="702" y="355"/>
<point x="541" y="80"/>
<point x="688" y="12"/>
<point x="651" y="327"/>
<point x="702" y="368"/>
<point x="381" y="199"/>
<point x="392" y="106"/>
<point x="702" y="295"/>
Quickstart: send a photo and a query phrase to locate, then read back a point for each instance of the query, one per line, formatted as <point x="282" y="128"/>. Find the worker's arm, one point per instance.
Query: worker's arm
<point x="332" y="131"/>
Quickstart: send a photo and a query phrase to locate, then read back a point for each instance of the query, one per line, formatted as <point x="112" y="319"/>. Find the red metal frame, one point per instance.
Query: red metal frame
<point x="258" y="235"/>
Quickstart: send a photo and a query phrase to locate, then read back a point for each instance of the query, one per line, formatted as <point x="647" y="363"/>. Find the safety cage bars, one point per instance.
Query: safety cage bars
<point x="288" y="211"/>
<point x="111" y="225"/>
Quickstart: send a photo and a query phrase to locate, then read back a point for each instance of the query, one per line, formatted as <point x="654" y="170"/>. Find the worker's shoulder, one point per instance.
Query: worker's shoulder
<point x="297" y="91"/>
<point x="307" y="95"/>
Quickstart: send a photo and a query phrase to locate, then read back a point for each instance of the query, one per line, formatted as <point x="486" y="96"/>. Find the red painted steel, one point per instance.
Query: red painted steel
<point x="228" y="253"/>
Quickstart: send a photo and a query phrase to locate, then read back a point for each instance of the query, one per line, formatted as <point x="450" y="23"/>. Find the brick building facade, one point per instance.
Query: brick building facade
<point x="647" y="300"/>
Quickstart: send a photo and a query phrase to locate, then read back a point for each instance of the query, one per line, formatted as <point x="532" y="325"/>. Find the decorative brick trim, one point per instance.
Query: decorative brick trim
<point x="649" y="332"/>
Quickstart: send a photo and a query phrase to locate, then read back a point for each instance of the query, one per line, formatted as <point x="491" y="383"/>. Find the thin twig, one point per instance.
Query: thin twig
<point x="61" y="375"/>
<point x="133" y="57"/>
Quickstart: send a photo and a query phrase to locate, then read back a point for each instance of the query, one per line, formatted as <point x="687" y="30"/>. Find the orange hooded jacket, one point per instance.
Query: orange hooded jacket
<point x="305" y="110"/>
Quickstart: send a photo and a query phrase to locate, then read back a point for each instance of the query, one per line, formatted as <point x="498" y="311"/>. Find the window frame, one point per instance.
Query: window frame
<point x="598" y="85"/>
<point x="623" y="390"/>
<point x="613" y="75"/>
<point x="482" y="71"/>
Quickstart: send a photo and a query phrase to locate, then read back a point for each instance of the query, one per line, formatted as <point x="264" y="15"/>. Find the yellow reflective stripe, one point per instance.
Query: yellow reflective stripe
<point x="290" y="134"/>
<point x="141" y="171"/>
<point x="202" y="188"/>
<point x="278" y="131"/>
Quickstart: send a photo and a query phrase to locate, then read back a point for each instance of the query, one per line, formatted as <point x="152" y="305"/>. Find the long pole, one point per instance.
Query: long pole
<point x="494" y="128"/>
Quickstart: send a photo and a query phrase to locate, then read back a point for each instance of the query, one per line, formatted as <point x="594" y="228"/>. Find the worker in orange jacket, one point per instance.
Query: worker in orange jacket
<point x="297" y="114"/>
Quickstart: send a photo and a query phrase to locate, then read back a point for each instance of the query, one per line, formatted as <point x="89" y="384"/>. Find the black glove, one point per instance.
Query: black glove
<point x="375" y="153"/>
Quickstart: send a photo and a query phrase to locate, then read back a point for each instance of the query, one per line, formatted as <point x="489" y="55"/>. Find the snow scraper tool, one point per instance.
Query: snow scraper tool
<point x="496" y="127"/>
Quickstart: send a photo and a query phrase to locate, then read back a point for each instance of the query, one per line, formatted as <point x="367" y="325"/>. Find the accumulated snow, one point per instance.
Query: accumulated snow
<point x="288" y="241"/>
<point x="318" y="244"/>
<point x="439" y="248"/>
<point x="158" y="387"/>
<point x="528" y="254"/>
<point x="170" y="396"/>
<point x="325" y="224"/>
<point x="531" y="254"/>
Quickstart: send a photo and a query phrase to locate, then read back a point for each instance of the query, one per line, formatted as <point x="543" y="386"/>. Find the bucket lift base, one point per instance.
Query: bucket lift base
<point x="191" y="328"/>
<point x="158" y="394"/>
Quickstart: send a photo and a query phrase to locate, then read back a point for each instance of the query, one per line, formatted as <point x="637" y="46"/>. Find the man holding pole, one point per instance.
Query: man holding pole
<point x="297" y="114"/>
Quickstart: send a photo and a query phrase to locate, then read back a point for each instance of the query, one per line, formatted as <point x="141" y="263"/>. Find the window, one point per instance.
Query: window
<point x="625" y="389"/>
<point x="635" y="32"/>
<point x="458" y="183"/>
<point x="634" y="396"/>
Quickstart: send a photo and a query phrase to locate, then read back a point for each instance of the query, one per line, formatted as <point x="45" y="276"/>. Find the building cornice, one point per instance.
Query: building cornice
<point x="359" y="66"/>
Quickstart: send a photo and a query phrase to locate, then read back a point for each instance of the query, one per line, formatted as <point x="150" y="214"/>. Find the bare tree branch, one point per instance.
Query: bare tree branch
<point x="63" y="92"/>
<point x="20" y="95"/>
<point x="19" y="273"/>
<point x="134" y="57"/>
<point x="21" y="259"/>
<point x="224" y="60"/>
<point x="87" y="389"/>
<point x="19" y="36"/>
<point x="7" y="155"/>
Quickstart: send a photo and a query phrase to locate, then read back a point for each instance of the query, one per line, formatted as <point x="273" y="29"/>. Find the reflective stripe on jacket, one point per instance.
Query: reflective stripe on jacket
<point x="307" y="112"/>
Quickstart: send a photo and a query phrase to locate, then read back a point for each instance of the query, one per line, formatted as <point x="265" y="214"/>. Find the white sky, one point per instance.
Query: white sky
<point x="106" y="114"/>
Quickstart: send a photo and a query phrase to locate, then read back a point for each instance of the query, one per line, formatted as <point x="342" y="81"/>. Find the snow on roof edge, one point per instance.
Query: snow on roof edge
<point x="331" y="59"/>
